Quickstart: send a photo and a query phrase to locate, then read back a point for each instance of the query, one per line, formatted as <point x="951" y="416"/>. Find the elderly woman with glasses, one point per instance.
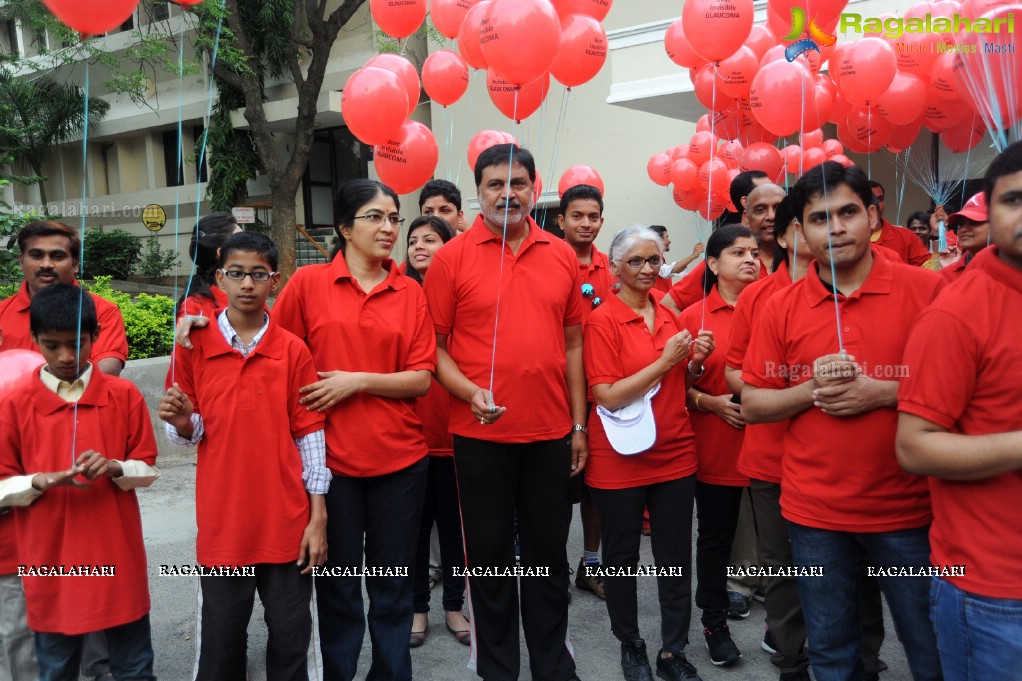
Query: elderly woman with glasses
<point x="375" y="350"/>
<point x="633" y="346"/>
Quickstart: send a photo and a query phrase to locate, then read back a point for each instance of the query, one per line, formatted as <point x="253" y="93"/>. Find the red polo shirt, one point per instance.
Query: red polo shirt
<point x="840" y="473"/>
<point x="251" y="416"/>
<point x="717" y="443"/>
<point x="760" y="457"/>
<point x="382" y="331"/>
<point x="539" y="296"/>
<point x="617" y="345"/>
<point x="14" y="323"/>
<point x="956" y="269"/>
<point x="690" y="289"/>
<point x="196" y="304"/>
<point x="596" y="274"/>
<point x="435" y="411"/>
<point x="961" y="354"/>
<point x="904" y="242"/>
<point x="68" y="526"/>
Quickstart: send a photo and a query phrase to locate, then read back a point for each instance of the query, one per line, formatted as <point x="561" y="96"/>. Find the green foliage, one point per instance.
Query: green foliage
<point x="110" y="254"/>
<point x="156" y="261"/>
<point x="148" y="320"/>
<point x="8" y="290"/>
<point x="11" y="223"/>
<point x="233" y="159"/>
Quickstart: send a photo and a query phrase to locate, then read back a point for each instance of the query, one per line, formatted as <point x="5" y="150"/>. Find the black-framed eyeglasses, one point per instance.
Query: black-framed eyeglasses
<point x="239" y="275"/>
<point x="377" y="218"/>
<point x="636" y="263"/>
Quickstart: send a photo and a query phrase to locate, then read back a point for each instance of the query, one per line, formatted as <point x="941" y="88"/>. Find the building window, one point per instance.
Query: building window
<point x="9" y="38"/>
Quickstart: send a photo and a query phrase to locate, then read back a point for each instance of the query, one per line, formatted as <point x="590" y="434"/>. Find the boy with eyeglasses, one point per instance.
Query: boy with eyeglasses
<point x="261" y="475"/>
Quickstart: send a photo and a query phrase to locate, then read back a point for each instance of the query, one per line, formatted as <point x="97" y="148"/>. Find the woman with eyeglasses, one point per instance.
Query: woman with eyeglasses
<point x="732" y="263"/>
<point x="426" y="235"/>
<point x="634" y="344"/>
<point x="374" y="347"/>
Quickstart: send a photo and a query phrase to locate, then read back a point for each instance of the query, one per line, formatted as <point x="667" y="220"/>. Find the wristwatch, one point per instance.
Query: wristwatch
<point x="579" y="428"/>
<point x="702" y="369"/>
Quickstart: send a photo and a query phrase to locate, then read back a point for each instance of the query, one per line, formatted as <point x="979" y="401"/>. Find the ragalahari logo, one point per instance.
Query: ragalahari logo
<point x="799" y="28"/>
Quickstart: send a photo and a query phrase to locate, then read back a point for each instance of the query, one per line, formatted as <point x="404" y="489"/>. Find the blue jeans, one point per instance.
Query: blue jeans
<point x="130" y="649"/>
<point x="979" y="637"/>
<point x="830" y="601"/>
<point x="375" y="519"/>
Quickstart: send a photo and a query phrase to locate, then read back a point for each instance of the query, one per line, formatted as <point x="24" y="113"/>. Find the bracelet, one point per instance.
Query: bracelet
<point x="578" y="428"/>
<point x="696" y="400"/>
<point x="702" y="369"/>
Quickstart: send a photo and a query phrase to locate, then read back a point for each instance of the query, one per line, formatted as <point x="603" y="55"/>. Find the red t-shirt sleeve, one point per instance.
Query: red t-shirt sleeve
<point x="690" y="288"/>
<point x="141" y="445"/>
<point x="573" y="314"/>
<point x="302" y="372"/>
<point x="112" y="341"/>
<point x="766" y="353"/>
<point x="422" y="350"/>
<point x="440" y="295"/>
<point x="601" y="351"/>
<point x="941" y="356"/>
<point x="287" y="310"/>
<point x="181" y="371"/>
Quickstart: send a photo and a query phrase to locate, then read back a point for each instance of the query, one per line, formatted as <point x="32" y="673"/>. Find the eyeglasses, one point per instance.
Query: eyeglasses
<point x="377" y="218"/>
<point x="238" y="275"/>
<point x="636" y="263"/>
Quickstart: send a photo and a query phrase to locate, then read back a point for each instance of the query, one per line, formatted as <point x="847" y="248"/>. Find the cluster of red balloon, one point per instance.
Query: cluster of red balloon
<point x="521" y="44"/>
<point x="97" y="17"/>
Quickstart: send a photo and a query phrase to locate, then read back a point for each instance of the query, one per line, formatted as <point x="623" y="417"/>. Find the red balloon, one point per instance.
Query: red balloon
<point x="839" y="112"/>
<point x="537" y="186"/>
<point x="17" y="368"/>
<point x="734" y="74"/>
<point x="92" y="18"/>
<point x="965" y="134"/>
<point x="445" y="77"/>
<point x="517" y="102"/>
<point x="812" y="158"/>
<point x="447" y="15"/>
<point x="482" y="141"/>
<point x="940" y="114"/>
<point x="712" y="207"/>
<point x="713" y="174"/>
<point x="403" y="69"/>
<point x="867" y="70"/>
<point x="597" y="9"/>
<point x="832" y="148"/>
<point x="714" y="29"/>
<point x="680" y="151"/>
<point x="701" y="147"/>
<point x="869" y="128"/>
<point x="707" y="92"/>
<point x="659" y="169"/>
<point x="760" y="40"/>
<point x="751" y="131"/>
<point x="725" y="123"/>
<point x="904" y="100"/>
<point x="520" y="39"/>
<point x="904" y="136"/>
<point x="468" y="34"/>
<point x="916" y="53"/>
<point x="583" y="50"/>
<point x="579" y="174"/>
<point x="684" y="173"/>
<point x="678" y="49"/>
<point x="703" y="124"/>
<point x="844" y="134"/>
<point x="792" y="157"/>
<point x="374" y="104"/>
<point x="780" y="93"/>
<point x="688" y="198"/>
<point x="407" y="161"/>
<point x="834" y="66"/>
<point x="990" y="75"/>
<point x="763" y="156"/>
<point x="942" y="76"/>
<point x="731" y="152"/>
<point x="398" y="19"/>
<point x="813" y="138"/>
<point x="842" y="159"/>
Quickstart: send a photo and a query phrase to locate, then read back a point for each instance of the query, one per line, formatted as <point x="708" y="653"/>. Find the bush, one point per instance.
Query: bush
<point x="148" y="320"/>
<point x="110" y="254"/>
<point x="157" y="262"/>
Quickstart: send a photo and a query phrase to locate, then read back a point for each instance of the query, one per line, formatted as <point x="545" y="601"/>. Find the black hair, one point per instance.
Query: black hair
<point x="783" y="216"/>
<point x="50" y="228"/>
<point x="503" y="154"/>
<point x="443" y="188"/>
<point x="439" y="226"/>
<point x="581" y="192"/>
<point x="207" y="238"/>
<point x="920" y="215"/>
<point x="57" y="308"/>
<point x="873" y="184"/>
<point x="744" y="183"/>
<point x="250" y="242"/>
<point x="722" y="238"/>
<point x="659" y="229"/>
<point x="820" y="179"/>
<point x="351" y="196"/>
<point x="1007" y="162"/>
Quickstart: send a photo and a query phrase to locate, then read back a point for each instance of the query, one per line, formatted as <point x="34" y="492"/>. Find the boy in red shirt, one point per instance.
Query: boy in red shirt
<point x="83" y="562"/>
<point x="960" y="423"/>
<point x="826" y="354"/>
<point x="235" y="393"/>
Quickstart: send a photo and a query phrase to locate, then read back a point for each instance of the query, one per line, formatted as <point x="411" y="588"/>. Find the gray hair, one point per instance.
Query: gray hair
<point x="626" y="239"/>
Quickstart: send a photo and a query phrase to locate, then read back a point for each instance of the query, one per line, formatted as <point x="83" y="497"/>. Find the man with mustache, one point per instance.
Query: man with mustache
<point x="518" y="415"/>
<point x="49" y="255"/>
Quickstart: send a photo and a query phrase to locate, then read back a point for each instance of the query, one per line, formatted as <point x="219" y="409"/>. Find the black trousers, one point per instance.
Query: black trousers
<point x="440" y="506"/>
<point x="717" y="507"/>
<point x="496" y="481"/>
<point x="670" y="518"/>
<point x="226" y="609"/>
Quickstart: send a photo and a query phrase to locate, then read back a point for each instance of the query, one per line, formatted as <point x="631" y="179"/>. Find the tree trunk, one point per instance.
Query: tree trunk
<point x="282" y="231"/>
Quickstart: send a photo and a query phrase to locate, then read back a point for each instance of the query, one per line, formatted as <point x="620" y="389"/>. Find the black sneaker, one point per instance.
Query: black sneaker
<point x="588" y="577"/>
<point x="723" y="651"/>
<point x="635" y="661"/>
<point x="768" y="643"/>
<point x="675" y="668"/>
<point x="796" y="676"/>
<point x="738" y="605"/>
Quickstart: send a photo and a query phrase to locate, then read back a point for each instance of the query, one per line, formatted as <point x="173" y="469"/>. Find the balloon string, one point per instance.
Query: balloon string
<point x="503" y="248"/>
<point x="81" y="255"/>
<point x="180" y="162"/>
<point x="833" y="273"/>
<point x="555" y="148"/>
<point x="468" y="121"/>
<point x="198" y="182"/>
<point x="869" y="143"/>
<point x="709" y="188"/>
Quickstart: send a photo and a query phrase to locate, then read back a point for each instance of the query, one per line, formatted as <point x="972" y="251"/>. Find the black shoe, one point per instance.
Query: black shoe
<point x="675" y="668"/>
<point x="796" y="676"/>
<point x="635" y="661"/>
<point x="723" y="651"/>
<point x="738" y="605"/>
<point x="768" y="643"/>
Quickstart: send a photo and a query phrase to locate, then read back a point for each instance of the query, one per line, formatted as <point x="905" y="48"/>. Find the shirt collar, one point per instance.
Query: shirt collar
<point x="94" y="391"/>
<point x="481" y="233"/>
<point x="715" y="302"/>
<point x="70" y="391"/>
<point x="339" y="270"/>
<point x="991" y="264"/>
<point x="232" y="337"/>
<point x="879" y="280"/>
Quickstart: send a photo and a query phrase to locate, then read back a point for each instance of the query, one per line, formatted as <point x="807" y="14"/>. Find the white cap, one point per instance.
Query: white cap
<point x="631" y="429"/>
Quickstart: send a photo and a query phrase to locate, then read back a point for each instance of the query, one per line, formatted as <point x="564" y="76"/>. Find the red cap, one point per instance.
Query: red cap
<point x="974" y="209"/>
